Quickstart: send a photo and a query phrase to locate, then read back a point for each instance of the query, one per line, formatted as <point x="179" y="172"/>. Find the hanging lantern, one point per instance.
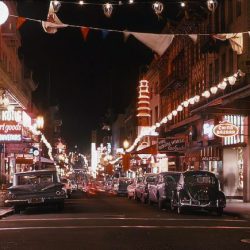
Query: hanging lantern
<point x="222" y="85"/>
<point x="191" y="101"/>
<point x="107" y="8"/>
<point x="164" y="120"/>
<point x="179" y="108"/>
<point x="56" y="6"/>
<point x="185" y="104"/>
<point x="214" y="90"/>
<point x="174" y="112"/>
<point x="231" y="80"/>
<point x="206" y="94"/>
<point x="170" y="116"/>
<point x="157" y="124"/>
<point x="212" y="5"/>
<point x="158" y="7"/>
<point x="197" y="98"/>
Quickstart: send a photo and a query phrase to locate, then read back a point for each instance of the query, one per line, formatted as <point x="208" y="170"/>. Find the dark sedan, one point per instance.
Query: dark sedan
<point x="198" y="190"/>
<point x="36" y="188"/>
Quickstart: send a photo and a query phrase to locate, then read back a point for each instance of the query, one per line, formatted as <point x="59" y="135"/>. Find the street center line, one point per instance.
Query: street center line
<point x="121" y="218"/>
<point x="128" y="227"/>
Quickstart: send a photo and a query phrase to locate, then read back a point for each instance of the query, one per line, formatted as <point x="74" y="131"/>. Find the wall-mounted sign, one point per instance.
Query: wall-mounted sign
<point x="225" y="129"/>
<point x="10" y="131"/>
<point x="11" y="115"/>
<point x="171" y="144"/>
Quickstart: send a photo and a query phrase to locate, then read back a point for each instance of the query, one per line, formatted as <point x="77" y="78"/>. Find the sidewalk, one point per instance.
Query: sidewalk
<point x="4" y="211"/>
<point x="238" y="208"/>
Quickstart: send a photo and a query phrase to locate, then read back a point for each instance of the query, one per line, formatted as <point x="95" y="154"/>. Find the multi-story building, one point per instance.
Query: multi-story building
<point x="194" y="83"/>
<point x="16" y="86"/>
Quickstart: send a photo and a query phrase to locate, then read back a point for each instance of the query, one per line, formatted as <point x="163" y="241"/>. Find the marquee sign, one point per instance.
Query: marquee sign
<point x="171" y="144"/>
<point x="10" y="131"/>
<point x="225" y="129"/>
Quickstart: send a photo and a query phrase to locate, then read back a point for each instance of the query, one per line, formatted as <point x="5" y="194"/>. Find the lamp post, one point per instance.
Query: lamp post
<point x="40" y="125"/>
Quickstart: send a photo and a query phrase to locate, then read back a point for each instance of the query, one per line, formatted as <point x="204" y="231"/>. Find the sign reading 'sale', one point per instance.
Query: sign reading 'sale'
<point x="225" y="129"/>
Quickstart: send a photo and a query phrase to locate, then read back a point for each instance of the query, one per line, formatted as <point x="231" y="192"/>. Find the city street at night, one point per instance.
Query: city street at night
<point x="104" y="221"/>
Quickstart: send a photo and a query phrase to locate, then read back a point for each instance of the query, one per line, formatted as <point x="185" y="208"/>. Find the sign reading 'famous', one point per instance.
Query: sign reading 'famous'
<point x="225" y="129"/>
<point x="171" y="144"/>
<point x="10" y="131"/>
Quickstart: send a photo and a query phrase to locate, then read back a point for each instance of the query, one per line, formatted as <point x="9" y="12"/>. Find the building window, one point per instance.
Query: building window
<point x="238" y="8"/>
<point x="216" y="71"/>
<point x="156" y="114"/>
<point x="238" y="121"/>
<point x="230" y="11"/>
<point x="223" y="64"/>
<point x="210" y="77"/>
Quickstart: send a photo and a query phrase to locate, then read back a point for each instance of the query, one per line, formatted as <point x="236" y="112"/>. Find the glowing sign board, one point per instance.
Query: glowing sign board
<point x="225" y="129"/>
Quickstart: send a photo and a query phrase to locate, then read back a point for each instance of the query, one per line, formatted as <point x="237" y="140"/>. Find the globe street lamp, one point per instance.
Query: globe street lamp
<point x="4" y="12"/>
<point x="125" y="144"/>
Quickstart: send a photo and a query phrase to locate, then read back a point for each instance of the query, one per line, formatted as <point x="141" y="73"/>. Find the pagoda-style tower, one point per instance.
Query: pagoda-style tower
<point x="143" y="109"/>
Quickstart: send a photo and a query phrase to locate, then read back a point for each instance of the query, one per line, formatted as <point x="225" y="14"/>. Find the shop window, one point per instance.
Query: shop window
<point x="239" y="122"/>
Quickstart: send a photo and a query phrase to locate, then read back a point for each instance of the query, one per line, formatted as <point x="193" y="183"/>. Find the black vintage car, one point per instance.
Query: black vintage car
<point x="200" y="190"/>
<point x="36" y="188"/>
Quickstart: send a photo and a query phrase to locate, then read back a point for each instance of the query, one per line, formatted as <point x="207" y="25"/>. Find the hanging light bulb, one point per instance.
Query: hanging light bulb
<point x="191" y="101"/>
<point x="197" y="98"/>
<point x="157" y="124"/>
<point x="206" y="94"/>
<point x="107" y="8"/>
<point x="170" y="116"/>
<point x="185" y="104"/>
<point x="56" y="6"/>
<point x="214" y="90"/>
<point x="158" y="7"/>
<point x="212" y="5"/>
<point x="183" y="4"/>
<point x="222" y="85"/>
<point x="174" y="112"/>
<point x="81" y="2"/>
<point x="231" y="80"/>
<point x="131" y="1"/>
<point x="179" y="108"/>
<point x="164" y="120"/>
<point x="4" y="12"/>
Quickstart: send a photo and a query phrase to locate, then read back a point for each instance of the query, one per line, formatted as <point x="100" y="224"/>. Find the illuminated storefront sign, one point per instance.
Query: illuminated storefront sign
<point x="10" y="131"/>
<point x="225" y="129"/>
<point x="171" y="144"/>
<point x="11" y="115"/>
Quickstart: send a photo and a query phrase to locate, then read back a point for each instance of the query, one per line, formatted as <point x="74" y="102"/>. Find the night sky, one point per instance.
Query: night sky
<point x="86" y="78"/>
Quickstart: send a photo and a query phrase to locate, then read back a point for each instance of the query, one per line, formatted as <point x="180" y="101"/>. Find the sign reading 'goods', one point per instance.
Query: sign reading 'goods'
<point x="10" y="131"/>
<point x="225" y="129"/>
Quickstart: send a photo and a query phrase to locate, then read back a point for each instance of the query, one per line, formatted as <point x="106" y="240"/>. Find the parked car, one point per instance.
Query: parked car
<point x="131" y="189"/>
<point x="36" y="188"/>
<point x="141" y="190"/>
<point x="160" y="191"/>
<point x="199" y="190"/>
<point x="67" y="185"/>
<point x="121" y="188"/>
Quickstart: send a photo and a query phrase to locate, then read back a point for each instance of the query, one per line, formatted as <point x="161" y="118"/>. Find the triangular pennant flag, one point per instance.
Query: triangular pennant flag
<point x="53" y="22"/>
<point x="236" y="41"/>
<point x="157" y="42"/>
<point x="194" y="37"/>
<point x="85" y="31"/>
<point x="20" y="21"/>
<point x="104" y="33"/>
<point x="126" y="34"/>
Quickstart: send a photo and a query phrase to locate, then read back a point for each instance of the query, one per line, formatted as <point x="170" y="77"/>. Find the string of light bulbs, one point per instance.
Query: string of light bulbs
<point x="157" y="6"/>
<point x="231" y="80"/>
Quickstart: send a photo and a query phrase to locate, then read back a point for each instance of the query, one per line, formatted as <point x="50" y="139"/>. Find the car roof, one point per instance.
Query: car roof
<point x="170" y="172"/>
<point x="36" y="172"/>
<point x="198" y="172"/>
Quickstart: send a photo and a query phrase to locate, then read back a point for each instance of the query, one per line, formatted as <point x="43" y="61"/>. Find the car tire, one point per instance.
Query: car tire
<point x="60" y="206"/>
<point x="160" y="204"/>
<point x="172" y="207"/>
<point x="219" y="211"/>
<point x="18" y="209"/>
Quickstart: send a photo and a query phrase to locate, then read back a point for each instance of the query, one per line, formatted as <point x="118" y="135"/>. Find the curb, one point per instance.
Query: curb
<point x="237" y="214"/>
<point x="6" y="212"/>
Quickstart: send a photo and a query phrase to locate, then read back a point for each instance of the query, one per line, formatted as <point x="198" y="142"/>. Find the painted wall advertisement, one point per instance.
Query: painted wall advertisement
<point x="171" y="144"/>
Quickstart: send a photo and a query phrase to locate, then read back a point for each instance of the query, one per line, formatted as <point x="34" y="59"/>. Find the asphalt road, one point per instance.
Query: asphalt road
<point x="108" y="222"/>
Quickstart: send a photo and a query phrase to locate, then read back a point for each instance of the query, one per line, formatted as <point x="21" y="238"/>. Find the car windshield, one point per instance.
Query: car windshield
<point x="200" y="180"/>
<point x="35" y="179"/>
